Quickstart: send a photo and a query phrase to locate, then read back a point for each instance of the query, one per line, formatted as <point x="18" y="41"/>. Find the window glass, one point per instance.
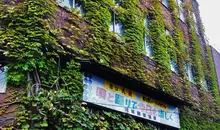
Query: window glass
<point x="173" y="66"/>
<point x="190" y="73"/>
<point x="111" y="29"/>
<point x="3" y="79"/>
<point x="194" y="17"/>
<point x="165" y="2"/>
<point x="146" y="21"/>
<point x="67" y="3"/>
<point x="147" y="47"/>
<point x="116" y="27"/>
<point x="206" y="85"/>
<point x="196" y="28"/>
<point x="186" y="69"/>
<point x="179" y="3"/>
<point x="168" y="33"/>
<point x="117" y="2"/>
<point x="181" y="16"/>
<point x="79" y="8"/>
<point x="195" y="25"/>
<point x="119" y="28"/>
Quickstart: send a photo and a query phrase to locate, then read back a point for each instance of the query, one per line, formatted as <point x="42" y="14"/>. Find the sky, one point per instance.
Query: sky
<point x="210" y="14"/>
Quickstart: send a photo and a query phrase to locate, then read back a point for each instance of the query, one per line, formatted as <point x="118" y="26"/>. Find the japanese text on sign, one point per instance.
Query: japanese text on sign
<point x="106" y="94"/>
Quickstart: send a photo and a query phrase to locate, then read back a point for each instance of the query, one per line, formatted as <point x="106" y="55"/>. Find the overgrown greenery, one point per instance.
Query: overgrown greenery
<point x="158" y="36"/>
<point x="211" y="76"/>
<point x="178" y="37"/>
<point x="195" y="50"/>
<point x="40" y="61"/>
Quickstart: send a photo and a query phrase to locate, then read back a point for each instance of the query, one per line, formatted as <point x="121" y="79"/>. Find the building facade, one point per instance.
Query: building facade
<point x="216" y="56"/>
<point x="106" y="64"/>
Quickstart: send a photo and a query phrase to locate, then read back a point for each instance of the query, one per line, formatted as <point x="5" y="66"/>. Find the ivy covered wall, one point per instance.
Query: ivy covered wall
<point x="39" y="49"/>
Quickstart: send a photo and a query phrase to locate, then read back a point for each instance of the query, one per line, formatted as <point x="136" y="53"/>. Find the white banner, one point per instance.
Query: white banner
<point x="106" y="94"/>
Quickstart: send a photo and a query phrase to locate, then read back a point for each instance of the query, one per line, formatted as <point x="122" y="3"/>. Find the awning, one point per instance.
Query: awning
<point x="131" y="83"/>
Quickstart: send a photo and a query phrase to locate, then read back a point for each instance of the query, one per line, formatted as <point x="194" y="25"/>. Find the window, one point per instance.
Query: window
<point x="205" y="85"/>
<point x="147" y="46"/>
<point x="189" y="71"/>
<point x="67" y="3"/>
<point x="146" y="22"/>
<point x="165" y="2"/>
<point x="79" y="8"/>
<point x="173" y="66"/>
<point x="196" y="28"/>
<point x="116" y="27"/>
<point x="168" y="33"/>
<point x="181" y="14"/>
<point x="117" y="2"/>
<point x="195" y="25"/>
<point x="3" y="79"/>
<point x="180" y="4"/>
<point x="70" y="4"/>
<point x="194" y="17"/>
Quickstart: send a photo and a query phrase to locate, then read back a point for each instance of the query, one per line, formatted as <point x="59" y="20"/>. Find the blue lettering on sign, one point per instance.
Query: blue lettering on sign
<point x="129" y="103"/>
<point x="119" y="99"/>
<point x="138" y="113"/>
<point x="126" y="109"/>
<point x="144" y="115"/>
<point x="134" y="104"/>
<point x="161" y="113"/>
<point x="132" y="111"/>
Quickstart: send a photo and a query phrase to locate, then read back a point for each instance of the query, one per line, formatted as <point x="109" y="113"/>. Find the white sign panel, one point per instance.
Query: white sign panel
<point x="106" y="94"/>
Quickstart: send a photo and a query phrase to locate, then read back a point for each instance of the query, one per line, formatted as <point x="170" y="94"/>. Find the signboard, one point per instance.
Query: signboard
<point x="106" y="94"/>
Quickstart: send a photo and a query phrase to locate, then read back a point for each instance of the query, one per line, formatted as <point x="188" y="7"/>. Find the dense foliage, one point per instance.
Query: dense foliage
<point x="43" y="62"/>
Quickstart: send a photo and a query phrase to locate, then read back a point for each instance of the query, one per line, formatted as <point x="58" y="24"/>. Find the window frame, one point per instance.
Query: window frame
<point x="189" y="72"/>
<point x="205" y="85"/>
<point x="195" y="23"/>
<point x="173" y="66"/>
<point x="63" y="5"/>
<point x="168" y="32"/>
<point x="148" y="49"/>
<point x="180" y="10"/>
<point x="3" y="89"/>
<point x="74" y="5"/>
<point x="117" y="2"/>
<point x="165" y="3"/>
<point x="116" y="27"/>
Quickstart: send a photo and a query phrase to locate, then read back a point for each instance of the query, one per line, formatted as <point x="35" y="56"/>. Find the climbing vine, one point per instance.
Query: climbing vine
<point x="195" y="51"/>
<point x="211" y="76"/>
<point x="157" y="35"/>
<point x="43" y="61"/>
<point x="36" y="53"/>
<point x="178" y="37"/>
